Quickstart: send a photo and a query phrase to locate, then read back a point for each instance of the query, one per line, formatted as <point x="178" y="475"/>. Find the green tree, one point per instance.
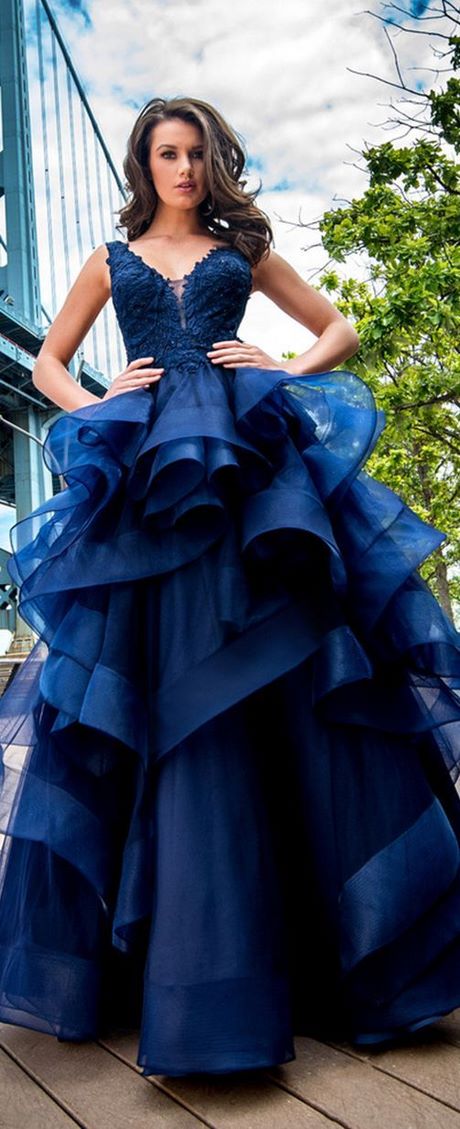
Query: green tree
<point x="406" y="227"/>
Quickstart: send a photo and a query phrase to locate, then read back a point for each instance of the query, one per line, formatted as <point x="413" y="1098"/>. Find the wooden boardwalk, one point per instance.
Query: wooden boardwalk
<point x="45" y="1084"/>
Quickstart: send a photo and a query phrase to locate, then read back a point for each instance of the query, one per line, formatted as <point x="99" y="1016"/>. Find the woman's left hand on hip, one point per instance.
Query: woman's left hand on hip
<point x="235" y="354"/>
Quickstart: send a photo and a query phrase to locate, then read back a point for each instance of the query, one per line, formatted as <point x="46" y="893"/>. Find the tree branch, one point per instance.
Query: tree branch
<point x="420" y="19"/>
<point x="386" y="81"/>
<point x="446" y="398"/>
<point x="410" y="30"/>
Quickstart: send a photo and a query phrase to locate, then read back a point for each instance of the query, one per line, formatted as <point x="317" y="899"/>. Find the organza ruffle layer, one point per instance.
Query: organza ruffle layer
<point x="231" y="754"/>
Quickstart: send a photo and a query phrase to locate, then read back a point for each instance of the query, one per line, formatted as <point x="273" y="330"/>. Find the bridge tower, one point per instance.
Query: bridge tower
<point x="20" y="307"/>
<point x="50" y="142"/>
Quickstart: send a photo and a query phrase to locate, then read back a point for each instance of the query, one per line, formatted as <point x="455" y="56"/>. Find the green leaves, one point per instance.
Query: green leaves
<point x="445" y="109"/>
<point x="406" y="227"/>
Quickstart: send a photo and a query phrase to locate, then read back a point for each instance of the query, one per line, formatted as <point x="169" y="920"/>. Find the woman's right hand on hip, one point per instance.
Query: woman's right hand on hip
<point x="135" y="375"/>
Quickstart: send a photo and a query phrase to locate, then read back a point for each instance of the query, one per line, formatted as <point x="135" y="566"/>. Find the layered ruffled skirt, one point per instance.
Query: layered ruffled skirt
<point x="228" y="800"/>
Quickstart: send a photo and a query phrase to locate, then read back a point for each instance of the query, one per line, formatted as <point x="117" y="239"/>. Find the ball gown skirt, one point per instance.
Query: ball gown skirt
<point x="228" y="806"/>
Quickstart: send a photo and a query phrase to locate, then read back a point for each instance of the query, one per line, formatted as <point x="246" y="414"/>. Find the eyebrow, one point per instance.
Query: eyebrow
<point x="172" y="146"/>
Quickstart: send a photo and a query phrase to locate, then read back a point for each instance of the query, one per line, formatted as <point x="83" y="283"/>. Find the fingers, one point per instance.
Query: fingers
<point x="139" y="364"/>
<point x="141" y="381"/>
<point x="138" y="361"/>
<point x="136" y="373"/>
<point x="228" y="353"/>
<point x="231" y="354"/>
<point x="232" y="341"/>
<point x="225" y="346"/>
<point x="235" y="357"/>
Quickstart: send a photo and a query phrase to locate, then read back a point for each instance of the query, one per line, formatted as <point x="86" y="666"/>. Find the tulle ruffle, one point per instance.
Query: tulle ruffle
<point x="147" y="494"/>
<point x="230" y="516"/>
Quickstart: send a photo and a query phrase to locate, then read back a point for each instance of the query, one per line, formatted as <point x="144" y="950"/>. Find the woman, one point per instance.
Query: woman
<point x="171" y="225"/>
<point x="229" y="759"/>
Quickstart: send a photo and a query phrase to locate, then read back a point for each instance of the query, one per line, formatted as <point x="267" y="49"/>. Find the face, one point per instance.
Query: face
<point x="176" y="157"/>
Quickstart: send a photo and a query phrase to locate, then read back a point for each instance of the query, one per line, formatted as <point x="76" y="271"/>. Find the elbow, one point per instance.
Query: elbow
<point x="346" y="337"/>
<point x="36" y="374"/>
<point x="350" y="339"/>
<point x="40" y="367"/>
<point x="355" y="342"/>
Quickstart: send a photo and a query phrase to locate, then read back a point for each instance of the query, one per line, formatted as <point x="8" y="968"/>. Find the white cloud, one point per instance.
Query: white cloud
<point x="7" y="519"/>
<point x="281" y="76"/>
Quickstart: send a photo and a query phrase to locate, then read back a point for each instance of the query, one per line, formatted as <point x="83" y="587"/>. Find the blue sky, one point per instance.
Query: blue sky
<point x="283" y="77"/>
<point x="7" y="517"/>
<point x="281" y="74"/>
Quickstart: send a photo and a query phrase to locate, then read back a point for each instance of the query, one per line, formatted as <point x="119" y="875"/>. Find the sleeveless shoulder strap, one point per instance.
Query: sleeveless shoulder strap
<point x="114" y="246"/>
<point x="115" y="249"/>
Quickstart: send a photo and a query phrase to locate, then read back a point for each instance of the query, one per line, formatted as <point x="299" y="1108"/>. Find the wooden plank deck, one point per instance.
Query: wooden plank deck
<point x="45" y="1084"/>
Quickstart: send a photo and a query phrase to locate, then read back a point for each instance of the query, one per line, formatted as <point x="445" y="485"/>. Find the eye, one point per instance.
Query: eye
<point x="167" y="152"/>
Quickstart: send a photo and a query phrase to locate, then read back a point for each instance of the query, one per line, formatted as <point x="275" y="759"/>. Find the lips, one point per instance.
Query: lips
<point x="186" y="187"/>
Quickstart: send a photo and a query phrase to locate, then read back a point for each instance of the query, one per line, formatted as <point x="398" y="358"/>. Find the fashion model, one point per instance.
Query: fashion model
<point x="228" y="801"/>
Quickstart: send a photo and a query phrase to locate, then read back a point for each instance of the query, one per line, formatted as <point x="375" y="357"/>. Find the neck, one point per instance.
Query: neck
<point x="174" y="224"/>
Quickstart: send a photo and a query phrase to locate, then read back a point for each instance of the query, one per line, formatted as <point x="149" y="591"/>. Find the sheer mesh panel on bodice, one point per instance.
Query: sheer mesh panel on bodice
<point x="178" y="286"/>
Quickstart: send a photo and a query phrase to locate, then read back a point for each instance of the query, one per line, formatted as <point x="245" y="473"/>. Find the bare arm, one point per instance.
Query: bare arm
<point x="86" y="298"/>
<point x="337" y="338"/>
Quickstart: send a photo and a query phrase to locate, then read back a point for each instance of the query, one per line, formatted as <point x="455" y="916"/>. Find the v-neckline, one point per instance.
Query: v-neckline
<point x="165" y="277"/>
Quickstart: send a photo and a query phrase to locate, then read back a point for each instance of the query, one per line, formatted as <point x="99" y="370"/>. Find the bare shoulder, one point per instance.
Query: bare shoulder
<point x="96" y="268"/>
<point x="92" y="285"/>
<point x="94" y="275"/>
<point x="273" y="272"/>
<point x="275" y="277"/>
<point x="84" y="301"/>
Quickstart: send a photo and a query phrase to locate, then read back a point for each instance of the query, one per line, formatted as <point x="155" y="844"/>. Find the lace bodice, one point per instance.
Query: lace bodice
<point x="177" y="320"/>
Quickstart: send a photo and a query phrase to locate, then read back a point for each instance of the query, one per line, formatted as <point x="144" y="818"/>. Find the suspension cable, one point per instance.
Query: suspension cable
<point x="81" y="92"/>
<point x="76" y="194"/>
<point x="57" y="112"/>
<point x="89" y="197"/>
<point x="49" y="210"/>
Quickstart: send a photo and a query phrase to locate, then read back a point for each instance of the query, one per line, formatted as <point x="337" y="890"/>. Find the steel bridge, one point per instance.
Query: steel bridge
<point x="59" y="197"/>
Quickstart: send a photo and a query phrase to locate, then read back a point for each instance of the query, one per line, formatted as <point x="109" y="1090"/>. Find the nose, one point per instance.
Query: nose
<point x="186" y="166"/>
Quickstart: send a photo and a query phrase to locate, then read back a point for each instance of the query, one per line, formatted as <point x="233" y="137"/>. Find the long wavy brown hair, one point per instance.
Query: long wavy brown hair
<point x="229" y="212"/>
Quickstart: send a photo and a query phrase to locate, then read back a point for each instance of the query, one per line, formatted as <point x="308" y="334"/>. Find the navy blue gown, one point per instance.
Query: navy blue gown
<point x="228" y="805"/>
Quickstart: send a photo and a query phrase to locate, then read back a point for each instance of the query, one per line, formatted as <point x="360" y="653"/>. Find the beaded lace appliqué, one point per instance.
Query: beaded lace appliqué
<point x="177" y="320"/>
